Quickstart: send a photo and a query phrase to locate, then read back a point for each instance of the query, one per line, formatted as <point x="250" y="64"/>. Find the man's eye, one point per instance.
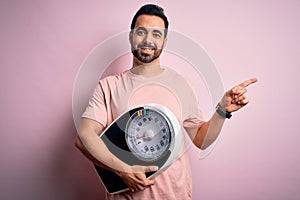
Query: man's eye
<point x="141" y="33"/>
<point x="156" y="35"/>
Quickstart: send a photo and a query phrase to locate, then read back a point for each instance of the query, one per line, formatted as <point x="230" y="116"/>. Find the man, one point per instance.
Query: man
<point x="148" y="82"/>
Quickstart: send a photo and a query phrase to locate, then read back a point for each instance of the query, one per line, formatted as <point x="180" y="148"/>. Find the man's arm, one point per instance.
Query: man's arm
<point x="233" y="100"/>
<point x="91" y="145"/>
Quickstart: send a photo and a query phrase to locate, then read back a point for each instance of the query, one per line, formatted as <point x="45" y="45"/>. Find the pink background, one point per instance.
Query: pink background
<point x="43" y="44"/>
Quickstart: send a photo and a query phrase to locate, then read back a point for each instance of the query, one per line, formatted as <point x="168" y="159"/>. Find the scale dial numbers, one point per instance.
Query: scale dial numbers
<point x="148" y="134"/>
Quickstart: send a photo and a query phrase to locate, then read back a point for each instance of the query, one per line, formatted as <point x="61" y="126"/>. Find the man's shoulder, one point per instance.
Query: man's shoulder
<point x="112" y="79"/>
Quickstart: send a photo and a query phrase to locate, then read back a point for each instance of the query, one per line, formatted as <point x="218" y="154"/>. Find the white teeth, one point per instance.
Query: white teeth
<point x="147" y="49"/>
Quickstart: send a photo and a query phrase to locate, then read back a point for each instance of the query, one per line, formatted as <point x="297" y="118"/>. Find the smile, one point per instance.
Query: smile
<point x="147" y="50"/>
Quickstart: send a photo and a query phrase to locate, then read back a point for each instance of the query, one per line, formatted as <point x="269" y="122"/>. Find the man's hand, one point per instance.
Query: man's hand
<point x="234" y="99"/>
<point x="135" y="177"/>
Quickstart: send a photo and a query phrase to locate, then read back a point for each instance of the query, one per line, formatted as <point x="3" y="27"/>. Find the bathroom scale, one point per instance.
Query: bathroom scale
<point x="145" y="135"/>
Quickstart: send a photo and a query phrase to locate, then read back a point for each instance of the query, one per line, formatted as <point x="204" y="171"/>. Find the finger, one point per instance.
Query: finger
<point x="141" y="187"/>
<point x="151" y="181"/>
<point x="243" y="102"/>
<point x="143" y="169"/>
<point x="238" y="99"/>
<point x="141" y="179"/>
<point x="235" y="90"/>
<point x="238" y="91"/>
<point x="248" y="82"/>
<point x="132" y="188"/>
<point x="150" y="168"/>
<point x="137" y="187"/>
<point x="241" y="92"/>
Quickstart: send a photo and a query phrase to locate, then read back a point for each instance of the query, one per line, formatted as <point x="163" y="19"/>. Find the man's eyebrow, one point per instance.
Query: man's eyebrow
<point x="145" y="29"/>
<point x="141" y="28"/>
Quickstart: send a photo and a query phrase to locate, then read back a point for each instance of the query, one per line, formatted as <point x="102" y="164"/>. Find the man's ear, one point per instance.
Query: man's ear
<point x="130" y="37"/>
<point x="165" y="42"/>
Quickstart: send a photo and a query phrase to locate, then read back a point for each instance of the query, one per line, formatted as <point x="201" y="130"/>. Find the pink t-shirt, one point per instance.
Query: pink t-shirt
<point x="115" y="95"/>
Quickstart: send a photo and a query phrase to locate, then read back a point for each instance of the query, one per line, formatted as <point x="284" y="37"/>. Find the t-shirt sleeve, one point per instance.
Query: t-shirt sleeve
<point x="97" y="106"/>
<point x="192" y="115"/>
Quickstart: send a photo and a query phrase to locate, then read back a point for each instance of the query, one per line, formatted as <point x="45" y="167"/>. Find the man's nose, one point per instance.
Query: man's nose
<point x="148" y="39"/>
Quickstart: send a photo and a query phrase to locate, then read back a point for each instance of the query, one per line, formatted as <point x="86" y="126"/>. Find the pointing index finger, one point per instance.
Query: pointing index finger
<point x="248" y="82"/>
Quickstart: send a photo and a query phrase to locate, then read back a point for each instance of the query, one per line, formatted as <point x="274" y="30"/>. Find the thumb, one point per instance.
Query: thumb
<point x="143" y="169"/>
<point x="150" y="168"/>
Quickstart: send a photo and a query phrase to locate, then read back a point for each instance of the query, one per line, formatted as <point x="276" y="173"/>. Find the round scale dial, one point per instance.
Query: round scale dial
<point x="148" y="134"/>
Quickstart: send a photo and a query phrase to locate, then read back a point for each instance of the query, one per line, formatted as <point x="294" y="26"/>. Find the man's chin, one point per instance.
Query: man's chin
<point x="146" y="58"/>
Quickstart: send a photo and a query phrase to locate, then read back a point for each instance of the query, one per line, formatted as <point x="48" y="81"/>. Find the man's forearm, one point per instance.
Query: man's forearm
<point x="209" y="131"/>
<point x="92" y="146"/>
<point x="97" y="152"/>
<point x="87" y="154"/>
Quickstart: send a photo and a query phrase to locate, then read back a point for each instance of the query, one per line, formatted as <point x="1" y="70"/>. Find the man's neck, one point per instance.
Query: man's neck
<point x="146" y="69"/>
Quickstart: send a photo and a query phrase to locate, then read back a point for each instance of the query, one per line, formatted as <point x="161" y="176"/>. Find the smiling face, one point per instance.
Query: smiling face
<point x="147" y="38"/>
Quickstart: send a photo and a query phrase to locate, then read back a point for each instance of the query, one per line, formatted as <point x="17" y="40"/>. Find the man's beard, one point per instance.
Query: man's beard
<point x="144" y="57"/>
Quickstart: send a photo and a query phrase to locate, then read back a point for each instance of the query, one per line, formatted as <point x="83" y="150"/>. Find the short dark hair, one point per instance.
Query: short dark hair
<point x="151" y="9"/>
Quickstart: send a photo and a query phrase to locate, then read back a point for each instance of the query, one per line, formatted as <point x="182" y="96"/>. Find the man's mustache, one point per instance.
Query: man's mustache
<point x="146" y="46"/>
